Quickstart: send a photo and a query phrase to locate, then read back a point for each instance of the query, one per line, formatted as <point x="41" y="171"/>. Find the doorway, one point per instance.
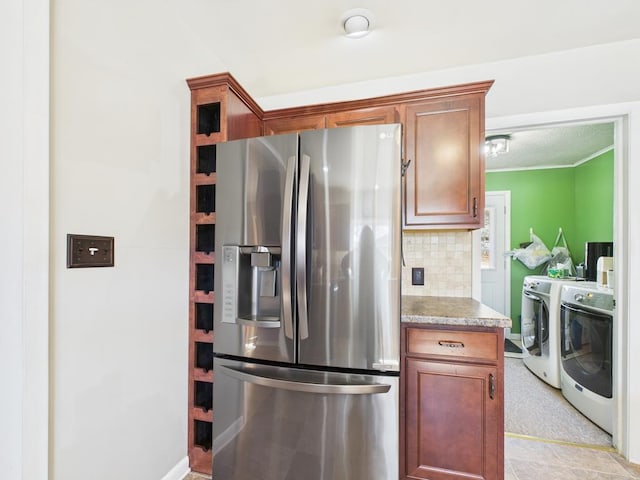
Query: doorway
<point x="495" y="266"/>
<point x="547" y="131"/>
<point x="494" y="243"/>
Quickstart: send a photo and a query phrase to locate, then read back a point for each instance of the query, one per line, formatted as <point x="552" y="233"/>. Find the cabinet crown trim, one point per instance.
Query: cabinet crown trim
<point x="225" y="79"/>
<point x="393" y="99"/>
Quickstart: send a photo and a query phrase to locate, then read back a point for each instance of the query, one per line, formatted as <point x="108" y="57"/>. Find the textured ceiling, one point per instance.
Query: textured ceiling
<point x="556" y="146"/>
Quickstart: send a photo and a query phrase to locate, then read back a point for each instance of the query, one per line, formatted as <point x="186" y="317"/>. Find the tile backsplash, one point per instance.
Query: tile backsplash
<point x="446" y="259"/>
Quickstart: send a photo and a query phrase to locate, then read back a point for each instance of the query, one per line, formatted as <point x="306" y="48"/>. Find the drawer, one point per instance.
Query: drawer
<point x="452" y="343"/>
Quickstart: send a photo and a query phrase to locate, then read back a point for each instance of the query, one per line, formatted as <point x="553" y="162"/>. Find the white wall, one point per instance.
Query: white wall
<point x="601" y="81"/>
<point x="24" y="223"/>
<point x="12" y="217"/>
<point x="120" y="167"/>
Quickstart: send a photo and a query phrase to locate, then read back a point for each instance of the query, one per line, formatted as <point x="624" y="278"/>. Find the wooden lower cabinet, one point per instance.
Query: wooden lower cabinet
<point x="452" y="419"/>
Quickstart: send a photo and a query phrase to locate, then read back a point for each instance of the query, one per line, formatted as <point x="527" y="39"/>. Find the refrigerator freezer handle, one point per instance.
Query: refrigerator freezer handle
<point x="301" y="248"/>
<point x="287" y="214"/>
<point x="307" y="387"/>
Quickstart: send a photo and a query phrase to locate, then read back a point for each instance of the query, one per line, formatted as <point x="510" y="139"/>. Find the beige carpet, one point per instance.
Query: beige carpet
<point x="534" y="408"/>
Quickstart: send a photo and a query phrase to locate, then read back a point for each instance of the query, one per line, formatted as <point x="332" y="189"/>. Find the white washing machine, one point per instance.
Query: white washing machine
<point x="540" y="325"/>
<point x="586" y="322"/>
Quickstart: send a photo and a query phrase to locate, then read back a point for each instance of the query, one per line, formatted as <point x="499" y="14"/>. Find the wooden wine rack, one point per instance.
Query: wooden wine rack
<point x="220" y="110"/>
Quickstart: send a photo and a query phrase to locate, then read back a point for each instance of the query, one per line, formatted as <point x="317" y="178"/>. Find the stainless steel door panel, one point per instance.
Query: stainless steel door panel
<point x="254" y="205"/>
<point x="352" y="247"/>
<point x="250" y="189"/>
<point x="271" y="433"/>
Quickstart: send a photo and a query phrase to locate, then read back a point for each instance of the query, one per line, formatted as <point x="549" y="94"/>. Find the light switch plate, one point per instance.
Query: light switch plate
<point x="417" y="276"/>
<point x="85" y="251"/>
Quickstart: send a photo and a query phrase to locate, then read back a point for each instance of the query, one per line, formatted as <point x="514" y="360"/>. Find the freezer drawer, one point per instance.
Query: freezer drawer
<point x="276" y="423"/>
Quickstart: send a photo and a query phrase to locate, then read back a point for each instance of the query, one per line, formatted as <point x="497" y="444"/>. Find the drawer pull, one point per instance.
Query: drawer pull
<point x="450" y="343"/>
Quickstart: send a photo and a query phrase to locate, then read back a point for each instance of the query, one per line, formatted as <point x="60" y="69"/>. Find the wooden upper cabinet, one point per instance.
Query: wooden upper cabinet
<point x="276" y="126"/>
<point x="444" y="140"/>
<point x="348" y="118"/>
<point x="363" y="116"/>
<point x="443" y="131"/>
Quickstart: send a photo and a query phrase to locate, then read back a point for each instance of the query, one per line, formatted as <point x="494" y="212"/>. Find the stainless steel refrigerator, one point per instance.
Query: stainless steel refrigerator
<point x="307" y="310"/>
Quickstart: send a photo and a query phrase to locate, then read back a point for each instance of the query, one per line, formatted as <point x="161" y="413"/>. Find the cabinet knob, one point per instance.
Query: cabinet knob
<point x="475" y="206"/>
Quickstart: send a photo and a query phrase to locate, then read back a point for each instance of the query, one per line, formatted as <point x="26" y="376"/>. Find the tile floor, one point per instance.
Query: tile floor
<point x="533" y="459"/>
<point x="196" y="476"/>
<point x="529" y="459"/>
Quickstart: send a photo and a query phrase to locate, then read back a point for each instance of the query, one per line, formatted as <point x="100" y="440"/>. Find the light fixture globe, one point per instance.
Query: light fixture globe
<point x="356" y="26"/>
<point x="357" y="22"/>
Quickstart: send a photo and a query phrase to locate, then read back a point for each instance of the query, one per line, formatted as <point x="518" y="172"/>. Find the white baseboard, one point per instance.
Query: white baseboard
<point x="179" y="471"/>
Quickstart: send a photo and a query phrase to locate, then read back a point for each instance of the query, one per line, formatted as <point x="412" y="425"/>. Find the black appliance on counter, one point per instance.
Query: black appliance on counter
<point x="593" y="251"/>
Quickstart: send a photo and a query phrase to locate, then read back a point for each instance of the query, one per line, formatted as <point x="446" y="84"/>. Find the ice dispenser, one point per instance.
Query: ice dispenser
<point x="251" y="285"/>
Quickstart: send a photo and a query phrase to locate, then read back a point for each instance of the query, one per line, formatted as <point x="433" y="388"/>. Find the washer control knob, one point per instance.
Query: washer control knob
<point x="578" y="297"/>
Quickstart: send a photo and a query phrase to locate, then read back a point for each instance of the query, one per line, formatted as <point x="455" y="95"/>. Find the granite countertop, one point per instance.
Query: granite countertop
<point x="451" y="311"/>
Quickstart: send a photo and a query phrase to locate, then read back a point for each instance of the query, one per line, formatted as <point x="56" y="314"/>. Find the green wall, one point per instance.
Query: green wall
<point x="577" y="199"/>
<point x="594" y="201"/>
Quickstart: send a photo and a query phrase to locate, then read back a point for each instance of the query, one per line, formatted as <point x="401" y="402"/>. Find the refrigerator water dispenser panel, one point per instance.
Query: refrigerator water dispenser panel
<point x="250" y="286"/>
<point x="230" y="283"/>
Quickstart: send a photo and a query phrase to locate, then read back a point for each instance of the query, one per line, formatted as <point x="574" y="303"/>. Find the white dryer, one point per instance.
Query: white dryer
<point x="540" y="325"/>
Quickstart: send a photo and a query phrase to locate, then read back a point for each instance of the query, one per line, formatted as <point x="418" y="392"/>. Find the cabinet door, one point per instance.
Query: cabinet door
<point x="445" y="179"/>
<point x="276" y="126"/>
<point x="451" y="425"/>
<point x="363" y="116"/>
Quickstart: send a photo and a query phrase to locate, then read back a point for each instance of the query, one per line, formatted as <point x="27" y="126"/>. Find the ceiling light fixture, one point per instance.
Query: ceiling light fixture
<point x="356" y="26"/>
<point x="495" y="145"/>
<point x="357" y="23"/>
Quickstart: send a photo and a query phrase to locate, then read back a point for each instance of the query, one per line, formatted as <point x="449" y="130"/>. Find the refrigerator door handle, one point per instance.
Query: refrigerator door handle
<point x="301" y="248"/>
<point x="307" y="387"/>
<point x="287" y="214"/>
